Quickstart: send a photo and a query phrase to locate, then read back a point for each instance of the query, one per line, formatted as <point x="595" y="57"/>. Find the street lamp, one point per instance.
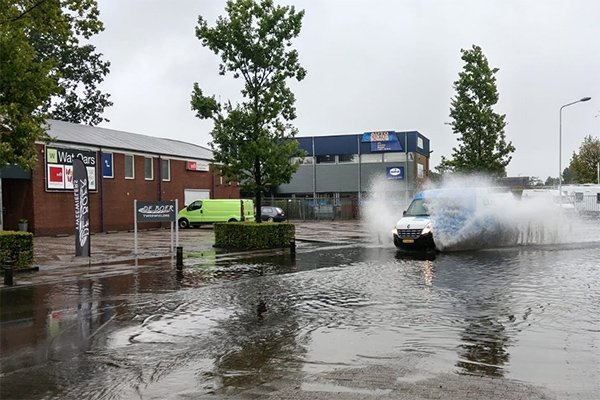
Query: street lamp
<point x="560" y="143"/>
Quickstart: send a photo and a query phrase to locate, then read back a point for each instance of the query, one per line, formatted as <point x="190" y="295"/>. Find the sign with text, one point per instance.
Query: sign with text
<point x="156" y="211"/>
<point x="82" y="208"/>
<point x="381" y="136"/>
<point x="197" y="165"/>
<point x="386" y="146"/>
<point x="382" y="141"/>
<point x="59" y="167"/>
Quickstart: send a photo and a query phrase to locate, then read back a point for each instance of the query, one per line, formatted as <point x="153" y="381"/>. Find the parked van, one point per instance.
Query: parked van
<point x="456" y="219"/>
<point x="208" y="211"/>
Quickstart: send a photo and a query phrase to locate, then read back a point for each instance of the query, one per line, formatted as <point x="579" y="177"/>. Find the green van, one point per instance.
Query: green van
<point x="208" y="211"/>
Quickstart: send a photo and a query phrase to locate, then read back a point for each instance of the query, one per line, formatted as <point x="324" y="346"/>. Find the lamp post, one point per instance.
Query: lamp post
<point x="560" y="143"/>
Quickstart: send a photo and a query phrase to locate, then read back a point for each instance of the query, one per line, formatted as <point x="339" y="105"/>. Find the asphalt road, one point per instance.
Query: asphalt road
<point x="351" y="320"/>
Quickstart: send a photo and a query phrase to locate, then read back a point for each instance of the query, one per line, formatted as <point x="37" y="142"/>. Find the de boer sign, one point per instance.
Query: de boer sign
<point x="156" y="211"/>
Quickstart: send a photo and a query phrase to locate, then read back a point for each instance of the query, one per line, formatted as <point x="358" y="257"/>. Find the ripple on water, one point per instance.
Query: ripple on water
<point x="525" y="313"/>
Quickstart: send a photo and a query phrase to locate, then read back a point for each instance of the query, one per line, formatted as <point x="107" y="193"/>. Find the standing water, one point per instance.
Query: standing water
<point x="344" y="319"/>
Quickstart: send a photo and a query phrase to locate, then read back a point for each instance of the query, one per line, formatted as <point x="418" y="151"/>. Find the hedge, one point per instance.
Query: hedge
<point x="18" y="247"/>
<point x="253" y="236"/>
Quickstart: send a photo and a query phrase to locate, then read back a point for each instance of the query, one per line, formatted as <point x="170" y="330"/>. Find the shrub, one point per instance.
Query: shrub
<point x="253" y="236"/>
<point x="16" y="246"/>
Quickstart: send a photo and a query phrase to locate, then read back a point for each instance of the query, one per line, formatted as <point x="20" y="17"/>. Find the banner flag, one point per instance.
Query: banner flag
<point x="82" y="209"/>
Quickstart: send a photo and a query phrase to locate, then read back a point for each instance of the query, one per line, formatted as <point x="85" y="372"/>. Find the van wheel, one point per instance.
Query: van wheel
<point x="270" y="219"/>
<point x="183" y="223"/>
<point x="232" y="220"/>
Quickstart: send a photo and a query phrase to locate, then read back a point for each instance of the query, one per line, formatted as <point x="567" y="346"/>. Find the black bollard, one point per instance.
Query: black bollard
<point x="179" y="262"/>
<point x="8" y="276"/>
<point x="179" y="275"/>
<point x="293" y="247"/>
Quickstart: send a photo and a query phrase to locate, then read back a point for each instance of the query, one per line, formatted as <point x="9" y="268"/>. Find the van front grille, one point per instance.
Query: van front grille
<point x="409" y="233"/>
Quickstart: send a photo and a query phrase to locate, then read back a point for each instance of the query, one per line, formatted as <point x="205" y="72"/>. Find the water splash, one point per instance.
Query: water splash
<point x="476" y="214"/>
<point x="500" y="217"/>
<point x="382" y="207"/>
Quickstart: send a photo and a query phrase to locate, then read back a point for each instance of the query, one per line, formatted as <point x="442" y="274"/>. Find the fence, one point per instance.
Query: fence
<point x="315" y="209"/>
<point x="586" y="203"/>
<point x="307" y="209"/>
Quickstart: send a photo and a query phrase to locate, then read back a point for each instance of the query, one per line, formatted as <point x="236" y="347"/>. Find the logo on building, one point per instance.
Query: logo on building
<point x="382" y="141"/>
<point x="59" y="167"/>
<point x="197" y="165"/>
<point x="395" y="173"/>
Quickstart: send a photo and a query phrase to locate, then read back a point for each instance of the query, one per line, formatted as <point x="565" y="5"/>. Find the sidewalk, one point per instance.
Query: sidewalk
<point x="54" y="256"/>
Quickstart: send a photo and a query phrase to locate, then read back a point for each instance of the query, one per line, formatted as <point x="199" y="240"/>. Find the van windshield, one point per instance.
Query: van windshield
<point x="417" y="208"/>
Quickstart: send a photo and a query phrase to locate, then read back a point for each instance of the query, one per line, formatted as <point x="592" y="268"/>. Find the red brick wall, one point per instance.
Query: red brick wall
<point x="53" y="212"/>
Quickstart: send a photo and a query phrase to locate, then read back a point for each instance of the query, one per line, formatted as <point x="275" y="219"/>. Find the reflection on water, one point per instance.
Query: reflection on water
<point x="484" y="347"/>
<point x="225" y="325"/>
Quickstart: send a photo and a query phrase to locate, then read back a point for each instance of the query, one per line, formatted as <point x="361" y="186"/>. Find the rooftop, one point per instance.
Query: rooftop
<point x="110" y="139"/>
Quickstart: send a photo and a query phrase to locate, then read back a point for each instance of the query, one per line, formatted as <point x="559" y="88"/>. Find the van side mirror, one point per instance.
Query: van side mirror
<point x="404" y="213"/>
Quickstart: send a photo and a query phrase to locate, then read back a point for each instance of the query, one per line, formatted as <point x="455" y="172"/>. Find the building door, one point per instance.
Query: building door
<point x="190" y="195"/>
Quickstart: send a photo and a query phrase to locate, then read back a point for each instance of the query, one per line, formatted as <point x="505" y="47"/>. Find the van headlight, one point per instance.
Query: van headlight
<point x="428" y="229"/>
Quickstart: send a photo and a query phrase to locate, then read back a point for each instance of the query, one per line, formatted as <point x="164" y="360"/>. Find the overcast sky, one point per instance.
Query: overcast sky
<point x="373" y="65"/>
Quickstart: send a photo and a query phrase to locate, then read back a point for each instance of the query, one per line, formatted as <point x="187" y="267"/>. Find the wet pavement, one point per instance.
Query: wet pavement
<point x="115" y="252"/>
<point x="349" y="317"/>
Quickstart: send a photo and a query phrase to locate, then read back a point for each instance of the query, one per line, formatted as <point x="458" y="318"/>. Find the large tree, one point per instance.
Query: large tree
<point x="482" y="146"/>
<point x="254" y="140"/>
<point x="584" y="165"/>
<point x="47" y="70"/>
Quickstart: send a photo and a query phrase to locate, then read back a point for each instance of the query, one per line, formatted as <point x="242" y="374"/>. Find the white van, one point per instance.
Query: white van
<point x="455" y="219"/>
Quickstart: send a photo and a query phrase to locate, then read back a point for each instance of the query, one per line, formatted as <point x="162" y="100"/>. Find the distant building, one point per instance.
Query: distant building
<point x="121" y="166"/>
<point x="346" y="166"/>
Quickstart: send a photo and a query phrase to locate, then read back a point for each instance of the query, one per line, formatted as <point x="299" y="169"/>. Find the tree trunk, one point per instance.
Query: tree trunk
<point x="258" y="193"/>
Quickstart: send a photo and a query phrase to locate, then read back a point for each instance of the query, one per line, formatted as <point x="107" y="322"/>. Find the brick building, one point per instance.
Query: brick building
<point x="122" y="167"/>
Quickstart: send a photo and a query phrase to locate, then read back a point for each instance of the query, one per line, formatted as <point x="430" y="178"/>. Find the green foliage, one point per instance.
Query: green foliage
<point x="482" y="144"/>
<point x="551" y="181"/>
<point x="253" y="236"/>
<point x="18" y="247"/>
<point x="535" y="181"/>
<point x="253" y="140"/>
<point x="568" y="176"/>
<point x="46" y="72"/>
<point x="584" y="165"/>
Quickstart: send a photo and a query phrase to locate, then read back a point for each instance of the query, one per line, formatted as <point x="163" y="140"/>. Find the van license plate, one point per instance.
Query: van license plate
<point x="408" y="240"/>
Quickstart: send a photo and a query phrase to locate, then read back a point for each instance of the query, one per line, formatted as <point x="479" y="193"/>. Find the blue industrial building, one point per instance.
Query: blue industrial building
<point x="341" y="167"/>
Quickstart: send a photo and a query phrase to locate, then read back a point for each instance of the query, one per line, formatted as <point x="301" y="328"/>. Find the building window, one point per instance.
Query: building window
<point x="370" y="158"/>
<point x="129" y="167"/>
<point x="420" y="171"/>
<point x="165" y="171"/>
<point x="326" y="159"/>
<point x="302" y="160"/>
<point x="148" y="168"/>
<point x="348" y="158"/>
<point x="394" y="157"/>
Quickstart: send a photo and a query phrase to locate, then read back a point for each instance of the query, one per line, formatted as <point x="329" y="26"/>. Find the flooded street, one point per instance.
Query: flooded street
<point x="349" y="320"/>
